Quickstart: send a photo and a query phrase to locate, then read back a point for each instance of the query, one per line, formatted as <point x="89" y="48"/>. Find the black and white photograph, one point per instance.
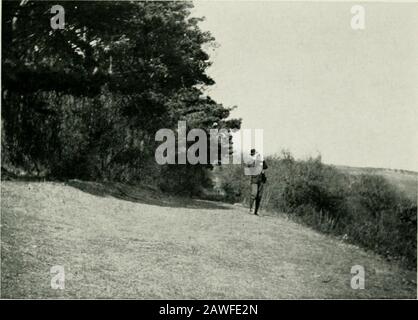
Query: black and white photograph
<point x="226" y="151"/>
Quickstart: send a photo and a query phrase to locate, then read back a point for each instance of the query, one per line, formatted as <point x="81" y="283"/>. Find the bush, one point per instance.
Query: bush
<point x="184" y="179"/>
<point x="365" y="209"/>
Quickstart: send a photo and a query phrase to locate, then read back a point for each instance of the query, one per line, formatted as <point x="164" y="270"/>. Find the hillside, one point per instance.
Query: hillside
<point x="121" y="246"/>
<point x="404" y="180"/>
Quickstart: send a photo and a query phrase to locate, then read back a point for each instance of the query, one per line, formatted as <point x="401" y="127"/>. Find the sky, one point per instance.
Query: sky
<point x="316" y="86"/>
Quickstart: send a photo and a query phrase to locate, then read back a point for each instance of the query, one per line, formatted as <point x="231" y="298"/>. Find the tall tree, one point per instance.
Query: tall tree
<point x="86" y="100"/>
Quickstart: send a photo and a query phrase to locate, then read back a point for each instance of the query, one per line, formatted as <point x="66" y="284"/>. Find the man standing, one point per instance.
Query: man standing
<point x="255" y="168"/>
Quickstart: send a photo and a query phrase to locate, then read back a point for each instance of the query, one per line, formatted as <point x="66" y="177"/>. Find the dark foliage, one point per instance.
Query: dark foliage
<point x="85" y="101"/>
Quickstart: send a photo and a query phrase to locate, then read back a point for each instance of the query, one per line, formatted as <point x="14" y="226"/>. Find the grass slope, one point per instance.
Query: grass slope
<point x="118" y="245"/>
<point x="404" y="180"/>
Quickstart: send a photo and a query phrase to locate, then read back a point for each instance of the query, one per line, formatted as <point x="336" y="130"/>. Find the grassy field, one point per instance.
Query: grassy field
<point x="119" y="242"/>
<point x="405" y="181"/>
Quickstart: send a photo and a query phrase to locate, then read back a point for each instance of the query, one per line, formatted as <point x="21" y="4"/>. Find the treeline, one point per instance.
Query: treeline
<point x="363" y="209"/>
<point x="85" y="101"/>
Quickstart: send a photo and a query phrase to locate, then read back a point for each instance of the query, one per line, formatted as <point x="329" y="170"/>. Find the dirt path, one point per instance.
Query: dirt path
<point x="115" y="248"/>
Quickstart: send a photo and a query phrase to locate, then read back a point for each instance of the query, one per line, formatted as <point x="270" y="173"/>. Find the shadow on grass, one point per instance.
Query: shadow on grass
<point x="142" y="194"/>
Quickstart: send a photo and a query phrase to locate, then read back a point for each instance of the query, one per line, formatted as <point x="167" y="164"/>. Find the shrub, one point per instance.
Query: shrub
<point x="366" y="209"/>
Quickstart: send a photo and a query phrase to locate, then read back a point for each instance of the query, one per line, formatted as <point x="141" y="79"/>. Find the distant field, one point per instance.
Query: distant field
<point x="406" y="181"/>
<point x="119" y="242"/>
